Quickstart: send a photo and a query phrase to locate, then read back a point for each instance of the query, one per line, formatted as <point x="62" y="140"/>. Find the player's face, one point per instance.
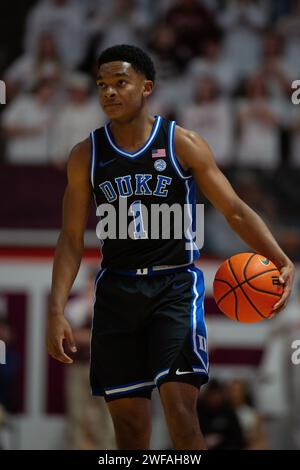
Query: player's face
<point x="122" y="91"/>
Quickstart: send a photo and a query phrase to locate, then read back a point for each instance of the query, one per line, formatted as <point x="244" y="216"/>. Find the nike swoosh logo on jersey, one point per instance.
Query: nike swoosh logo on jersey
<point x="178" y="372"/>
<point x="177" y="286"/>
<point x="107" y="162"/>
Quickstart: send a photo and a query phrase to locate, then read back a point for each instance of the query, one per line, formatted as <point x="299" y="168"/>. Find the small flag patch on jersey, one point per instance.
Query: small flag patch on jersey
<point x="158" y="153"/>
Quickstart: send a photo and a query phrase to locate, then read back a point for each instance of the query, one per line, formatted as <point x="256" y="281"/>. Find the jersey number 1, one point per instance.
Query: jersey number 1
<point x="136" y="210"/>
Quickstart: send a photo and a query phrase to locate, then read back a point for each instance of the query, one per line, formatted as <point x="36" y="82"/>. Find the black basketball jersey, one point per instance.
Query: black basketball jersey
<point x="130" y="190"/>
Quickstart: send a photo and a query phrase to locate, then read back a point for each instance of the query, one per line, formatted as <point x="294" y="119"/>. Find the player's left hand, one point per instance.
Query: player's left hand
<point x="286" y="278"/>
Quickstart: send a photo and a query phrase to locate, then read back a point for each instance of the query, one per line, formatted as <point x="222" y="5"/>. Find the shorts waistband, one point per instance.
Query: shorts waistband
<point x="152" y="270"/>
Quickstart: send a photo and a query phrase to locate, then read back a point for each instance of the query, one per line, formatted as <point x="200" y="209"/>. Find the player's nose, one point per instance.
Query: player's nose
<point x="110" y="92"/>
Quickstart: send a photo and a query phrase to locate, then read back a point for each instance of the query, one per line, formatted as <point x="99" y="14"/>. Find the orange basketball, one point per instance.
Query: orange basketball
<point x="246" y="286"/>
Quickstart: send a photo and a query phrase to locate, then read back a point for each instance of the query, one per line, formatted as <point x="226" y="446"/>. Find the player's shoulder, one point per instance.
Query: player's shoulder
<point x="187" y="139"/>
<point x="186" y="135"/>
<point x="79" y="158"/>
<point x="80" y="153"/>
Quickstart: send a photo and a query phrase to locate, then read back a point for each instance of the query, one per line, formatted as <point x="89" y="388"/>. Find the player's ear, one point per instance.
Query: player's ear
<point x="147" y="88"/>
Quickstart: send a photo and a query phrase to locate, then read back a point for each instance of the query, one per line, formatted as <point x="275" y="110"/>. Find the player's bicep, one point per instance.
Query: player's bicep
<point x="77" y="197"/>
<point x="76" y="207"/>
<point x="216" y="187"/>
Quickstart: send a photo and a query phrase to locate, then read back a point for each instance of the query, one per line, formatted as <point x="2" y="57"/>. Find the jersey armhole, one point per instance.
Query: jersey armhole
<point x="92" y="157"/>
<point x="183" y="174"/>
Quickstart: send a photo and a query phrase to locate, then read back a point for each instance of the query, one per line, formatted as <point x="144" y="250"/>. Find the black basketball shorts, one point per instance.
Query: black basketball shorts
<point x="147" y="330"/>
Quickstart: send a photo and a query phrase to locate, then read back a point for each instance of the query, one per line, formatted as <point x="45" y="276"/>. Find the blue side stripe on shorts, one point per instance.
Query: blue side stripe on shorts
<point x="198" y="327"/>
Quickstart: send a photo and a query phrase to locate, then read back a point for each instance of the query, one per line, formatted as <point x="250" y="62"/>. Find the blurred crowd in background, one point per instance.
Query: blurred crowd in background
<point x="224" y="70"/>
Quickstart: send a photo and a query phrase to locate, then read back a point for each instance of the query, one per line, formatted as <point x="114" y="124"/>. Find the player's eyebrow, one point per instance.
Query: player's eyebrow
<point x="117" y="74"/>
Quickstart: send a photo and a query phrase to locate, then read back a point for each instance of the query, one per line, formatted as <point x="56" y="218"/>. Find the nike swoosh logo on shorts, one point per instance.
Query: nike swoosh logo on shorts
<point x="180" y="373"/>
<point x="177" y="286"/>
<point x="106" y="162"/>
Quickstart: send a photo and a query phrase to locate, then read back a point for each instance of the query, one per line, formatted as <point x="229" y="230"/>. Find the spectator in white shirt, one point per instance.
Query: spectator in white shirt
<point x="27" y="125"/>
<point x="79" y="116"/>
<point x="211" y="116"/>
<point x="124" y="25"/>
<point x="215" y="64"/>
<point x="277" y="71"/>
<point x="242" y="21"/>
<point x="31" y="67"/>
<point x="258" y="119"/>
<point x="66" y="22"/>
<point x="288" y="26"/>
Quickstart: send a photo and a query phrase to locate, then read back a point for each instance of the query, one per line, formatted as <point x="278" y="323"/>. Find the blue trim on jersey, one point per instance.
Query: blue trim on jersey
<point x="176" y="165"/>
<point x="198" y="327"/>
<point x="93" y="160"/>
<point x="191" y="201"/>
<point x="99" y="275"/>
<point x="139" y="152"/>
<point x="93" y="156"/>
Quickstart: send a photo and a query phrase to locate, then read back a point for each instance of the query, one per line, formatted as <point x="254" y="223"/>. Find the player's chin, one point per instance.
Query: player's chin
<point x="114" y="111"/>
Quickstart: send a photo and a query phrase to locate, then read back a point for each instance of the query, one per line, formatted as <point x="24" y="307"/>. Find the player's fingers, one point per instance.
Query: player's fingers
<point x="278" y="309"/>
<point x="62" y="357"/>
<point x="70" y="339"/>
<point x="283" y="300"/>
<point x="57" y="352"/>
<point x="284" y="275"/>
<point x="61" y="353"/>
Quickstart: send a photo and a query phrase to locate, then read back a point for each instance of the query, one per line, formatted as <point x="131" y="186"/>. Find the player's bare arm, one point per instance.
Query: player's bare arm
<point x="194" y="154"/>
<point x="68" y="254"/>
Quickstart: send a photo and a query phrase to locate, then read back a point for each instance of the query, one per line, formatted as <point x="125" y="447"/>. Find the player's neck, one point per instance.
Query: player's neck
<point x="133" y="134"/>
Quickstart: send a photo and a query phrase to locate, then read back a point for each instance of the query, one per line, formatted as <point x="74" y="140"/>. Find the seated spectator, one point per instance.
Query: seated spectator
<point x="218" y="420"/>
<point x="80" y="115"/>
<point x="277" y="72"/>
<point x="165" y="51"/>
<point x="66" y="22"/>
<point x="192" y="23"/>
<point x="31" y="67"/>
<point x="250" y="421"/>
<point x="215" y="64"/>
<point x="288" y="26"/>
<point x="211" y="117"/>
<point x="27" y="124"/>
<point x="258" y="119"/>
<point x="242" y="21"/>
<point x="124" y="25"/>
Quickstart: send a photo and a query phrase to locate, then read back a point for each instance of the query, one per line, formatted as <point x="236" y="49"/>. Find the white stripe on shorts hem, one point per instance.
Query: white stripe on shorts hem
<point x="127" y="389"/>
<point x="161" y="374"/>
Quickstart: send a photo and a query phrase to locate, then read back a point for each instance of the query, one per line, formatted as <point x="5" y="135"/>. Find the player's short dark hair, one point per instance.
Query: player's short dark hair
<point x="139" y="60"/>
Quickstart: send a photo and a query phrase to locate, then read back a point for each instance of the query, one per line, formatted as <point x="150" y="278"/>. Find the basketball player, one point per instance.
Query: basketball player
<point x="148" y="328"/>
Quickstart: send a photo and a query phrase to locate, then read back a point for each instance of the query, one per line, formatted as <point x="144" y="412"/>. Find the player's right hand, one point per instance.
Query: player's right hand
<point x="58" y="330"/>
